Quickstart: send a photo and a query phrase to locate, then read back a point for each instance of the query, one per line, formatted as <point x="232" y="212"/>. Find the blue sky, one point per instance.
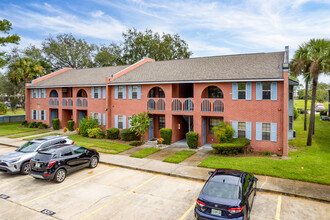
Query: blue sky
<point x="210" y="27"/>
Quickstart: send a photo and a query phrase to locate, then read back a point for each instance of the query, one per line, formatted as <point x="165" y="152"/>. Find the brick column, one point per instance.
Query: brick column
<point x="285" y="113"/>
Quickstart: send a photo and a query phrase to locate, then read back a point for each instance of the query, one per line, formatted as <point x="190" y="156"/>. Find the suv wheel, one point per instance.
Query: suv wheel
<point x="25" y="168"/>
<point x="60" y="176"/>
<point x="93" y="162"/>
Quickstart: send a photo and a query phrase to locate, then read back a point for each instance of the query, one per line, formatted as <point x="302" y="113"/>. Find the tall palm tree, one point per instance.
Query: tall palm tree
<point x="300" y="66"/>
<point x="318" y="56"/>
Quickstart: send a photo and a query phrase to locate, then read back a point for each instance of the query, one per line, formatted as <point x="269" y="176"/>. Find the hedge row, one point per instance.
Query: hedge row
<point x="238" y="145"/>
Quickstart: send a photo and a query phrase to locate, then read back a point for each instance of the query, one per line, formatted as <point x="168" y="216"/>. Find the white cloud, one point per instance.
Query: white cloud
<point x="97" y="13"/>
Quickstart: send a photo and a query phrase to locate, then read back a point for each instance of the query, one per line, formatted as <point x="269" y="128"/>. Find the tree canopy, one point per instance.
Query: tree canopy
<point x="6" y="38"/>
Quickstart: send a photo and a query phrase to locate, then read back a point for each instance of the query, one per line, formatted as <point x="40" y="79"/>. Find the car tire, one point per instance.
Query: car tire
<point x="25" y="168"/>
<point x="60" y="176"/>
<point x="94" y="161"/>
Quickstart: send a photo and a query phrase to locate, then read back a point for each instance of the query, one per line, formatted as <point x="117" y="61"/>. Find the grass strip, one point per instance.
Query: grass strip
<point x="107" y="146"/>
<point x="31" y="138"/>
<point x="30" y="133"/>
<point x="145" y="152"/>
<point x="13" y="128"/>
<point x="180" y="156"/>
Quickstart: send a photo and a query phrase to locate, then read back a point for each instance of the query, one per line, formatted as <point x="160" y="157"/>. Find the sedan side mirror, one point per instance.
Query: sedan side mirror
<point x="255" y="179"/>
<point x="211" y="173"/>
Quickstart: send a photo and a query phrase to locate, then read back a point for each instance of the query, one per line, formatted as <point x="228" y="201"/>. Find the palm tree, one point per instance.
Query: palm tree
<point x="318" y="55"/>
<point x="300" y="66"/>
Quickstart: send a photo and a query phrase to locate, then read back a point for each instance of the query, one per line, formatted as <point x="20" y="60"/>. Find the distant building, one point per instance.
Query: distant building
<point x="251" y="91"/>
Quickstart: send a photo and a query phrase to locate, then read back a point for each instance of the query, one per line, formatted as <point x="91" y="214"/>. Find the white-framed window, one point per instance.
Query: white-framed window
<point x="34" y="114"/>
<point x="134" y="92"/>
<point x="213" y="122"/>
<point x="35" y="93"/>
<point x="266" y="90"/>
<point x="42" y="95"/>
<point x="241" y="90"/>
<point x="120" y="92"/>
<point x="161" y="122"/>
<point x="120" y="122"/>
<point x="266" y="131"/>
<point x="96" y="93"/>
<point x="42" y="115"/>
<point x="96" y="116"/>
<point x="241" y="129"/>
<point x="290" y="123"/>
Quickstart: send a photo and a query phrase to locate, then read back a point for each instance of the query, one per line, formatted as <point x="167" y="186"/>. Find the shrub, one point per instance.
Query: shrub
<point x="323" y="112"/>
<point x="224" y="132"/>
<point x="136" y="143"/>
<point x="3" y="108"/>
<point x="112" y="133"/>
<point x="87" y="123"/>
<point x="56" y="123"/>
<point x="192" y="139"/>
<point x="24" y="122"/>
<point x="95" y="133"/>
<point x="70" y="125"/>
<point x="128" y="135"/>
<point x="238" y="145"/>
<point x="160" y="140"/>
<point x="266" y="153"/>
<point x="166" y="134"/>
<point x="301" y="111"/>
<point x="65" y="129"/>
<point x="27" y="125"/>
<point x="42" y="126"/>
<point x="295" y="113"/>
<point x="38" y="124"/>
<point x="33" y="125"/>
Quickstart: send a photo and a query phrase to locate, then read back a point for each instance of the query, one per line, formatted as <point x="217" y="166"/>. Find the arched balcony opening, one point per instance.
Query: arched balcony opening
<point x="206" y="106"/>
<point x="161" y="105"/>
<point x="151" y="104"/>
<point x="53" y="93"/>
<point x="218" y="106"/>
<point x="82" y="93"/>
<point x="212" y="92"/>
<point x="176" y="105"/>
<point x="188" y="105"/>
<point x="156" y="92"/>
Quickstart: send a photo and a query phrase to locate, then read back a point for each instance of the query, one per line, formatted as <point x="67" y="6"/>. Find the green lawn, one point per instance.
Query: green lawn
<point x="30" y="133"/>
<point x="103" y="146"/>
<point x="301" y="104"/>
<point x="31" y="138"/>
<point x="18" y="112"/>
<point x="307" y="163"/>
<point x="13" y="128"/>
<point x="180" y="156"/>
<point x="145" y="152"/>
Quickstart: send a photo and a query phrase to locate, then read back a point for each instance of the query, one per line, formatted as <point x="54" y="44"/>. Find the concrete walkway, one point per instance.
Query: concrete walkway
<point x="188" y="169"/>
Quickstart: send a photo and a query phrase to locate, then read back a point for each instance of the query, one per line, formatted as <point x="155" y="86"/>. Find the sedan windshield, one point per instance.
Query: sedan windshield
<point x="221" y="190"/>
<point x="28" y="147"/>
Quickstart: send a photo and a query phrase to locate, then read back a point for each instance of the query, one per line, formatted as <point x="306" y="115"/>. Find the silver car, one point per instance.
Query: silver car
<point x="19" y="160"/>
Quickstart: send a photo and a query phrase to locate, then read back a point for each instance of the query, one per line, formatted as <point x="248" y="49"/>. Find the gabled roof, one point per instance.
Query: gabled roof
<point x="232" y="67"/>
<point x="79" y="77"/>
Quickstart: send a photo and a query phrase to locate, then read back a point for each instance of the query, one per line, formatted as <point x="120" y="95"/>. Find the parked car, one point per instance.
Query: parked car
<point x="227" y="194"/>
<point x="319" y="107"/>
<point x="55" y="162"/>
<point x="19" y="160"/>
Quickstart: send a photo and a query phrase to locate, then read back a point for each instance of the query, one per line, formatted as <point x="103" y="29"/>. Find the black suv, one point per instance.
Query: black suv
<point x="227" y="194"/>
<point x="55" y="162"/>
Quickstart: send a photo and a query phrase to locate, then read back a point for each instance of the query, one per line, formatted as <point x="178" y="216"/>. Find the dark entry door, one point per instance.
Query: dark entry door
<point x="53" y="115"/>
<point x="151" y="128"/>
<point x="204" y="131"/>
<point x="81" y="115"/>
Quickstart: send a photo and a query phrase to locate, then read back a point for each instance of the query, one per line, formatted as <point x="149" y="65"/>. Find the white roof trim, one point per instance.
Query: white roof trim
<point x="40" y="87"/>
<point x="201" y="81"/>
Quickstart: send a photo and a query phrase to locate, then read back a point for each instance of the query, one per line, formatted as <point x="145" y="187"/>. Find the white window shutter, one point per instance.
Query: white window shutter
<point x="129" y="121"/>
<point x="116" y="92"/>
<point x="234" y="91"/>
<point x="124" y="121"/>
<point x="99" y="118"/>
<point x="104" y="119"/>
<point x="248" y="91"/>
<point x="129" y="92"/>
<point x="99" y="92"/>
<point x="124" y="92"/>
<point x="258" y="91"/>
<point x="273" y="132"/>
<point x="258" y="131"/>
<point x="92" y="93"/>
<point x="44" y="93"/>
<point x="45" y="118"/>
<point x="36" y="115"/>
<point x="139" y="92"/>
<point x="248" y="131"/>
<point x="234" y="124"/>
<point x="274" y="91"/>
<point x="104" y="92"/>
<point x="32" y="115"/>
<point x="116" y="121"/>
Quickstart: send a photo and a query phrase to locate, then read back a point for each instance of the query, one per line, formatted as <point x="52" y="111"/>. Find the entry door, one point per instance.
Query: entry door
<point x="81" y="115"/>
<point x="53" y="115"/>
<point x="151" y="128"/>
<point x="204" y="131"/>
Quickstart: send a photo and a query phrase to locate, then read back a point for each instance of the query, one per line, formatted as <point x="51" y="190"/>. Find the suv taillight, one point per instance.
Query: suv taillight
<point x="51" y="164"/>
<point x="235" y="210"/>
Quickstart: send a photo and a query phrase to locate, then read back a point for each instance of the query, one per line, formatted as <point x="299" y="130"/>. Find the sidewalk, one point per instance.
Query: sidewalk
<point x="185" y="170"/>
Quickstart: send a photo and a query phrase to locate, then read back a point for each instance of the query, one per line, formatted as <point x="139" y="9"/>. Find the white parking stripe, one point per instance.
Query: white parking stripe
<point x="278" y="209"/>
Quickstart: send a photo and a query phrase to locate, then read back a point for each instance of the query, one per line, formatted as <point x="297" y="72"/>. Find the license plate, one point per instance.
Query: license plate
<point x="38" y="165"/>
<point x="37" y="176"/>
<point x="216" y="212"/>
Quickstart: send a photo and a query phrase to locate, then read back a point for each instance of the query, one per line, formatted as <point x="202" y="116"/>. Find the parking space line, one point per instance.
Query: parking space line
<point x="14" y="181"/>
<point x="188" y="211"/>
<point x="278" y="208"/>
<point x="119" y="197"/>
<point x="72" y="184"/>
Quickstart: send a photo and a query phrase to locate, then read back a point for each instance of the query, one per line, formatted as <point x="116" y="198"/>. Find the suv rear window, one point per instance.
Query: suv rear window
<point x="43" y="156"/>
<point x="222" y="190"/>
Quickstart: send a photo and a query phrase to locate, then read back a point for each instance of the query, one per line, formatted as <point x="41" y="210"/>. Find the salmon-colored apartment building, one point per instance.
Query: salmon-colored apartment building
<point x="251" y="91"/>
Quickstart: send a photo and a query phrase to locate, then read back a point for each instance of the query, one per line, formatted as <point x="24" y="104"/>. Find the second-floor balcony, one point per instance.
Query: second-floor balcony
<point x="67" y="102"/>
<point x="53" y="102"/>
<point x="81" y="102"/>
<point x="156" y="104"/>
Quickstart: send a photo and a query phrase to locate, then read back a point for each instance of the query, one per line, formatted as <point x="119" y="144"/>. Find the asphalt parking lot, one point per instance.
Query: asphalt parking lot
<point x="109" y="192"/>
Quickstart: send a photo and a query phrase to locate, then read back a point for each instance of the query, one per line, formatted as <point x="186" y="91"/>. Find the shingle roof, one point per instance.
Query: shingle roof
<point x="232" y="67"/>
<point x="90" y="76"/>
